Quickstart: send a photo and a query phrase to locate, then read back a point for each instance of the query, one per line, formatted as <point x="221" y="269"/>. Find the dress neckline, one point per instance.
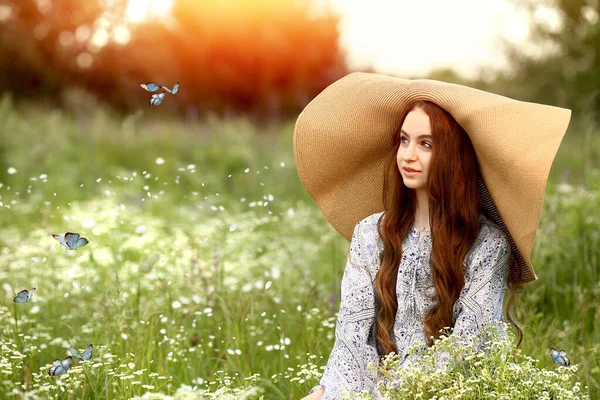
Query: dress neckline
<point x="418" y="230"/>
<point x="425" y="233"/>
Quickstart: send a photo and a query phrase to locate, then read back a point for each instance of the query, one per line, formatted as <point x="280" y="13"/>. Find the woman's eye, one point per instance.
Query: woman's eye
<point x="427" y="143"/>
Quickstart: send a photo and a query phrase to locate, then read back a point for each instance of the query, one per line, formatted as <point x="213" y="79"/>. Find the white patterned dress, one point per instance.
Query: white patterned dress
<point x="480" y="302"/>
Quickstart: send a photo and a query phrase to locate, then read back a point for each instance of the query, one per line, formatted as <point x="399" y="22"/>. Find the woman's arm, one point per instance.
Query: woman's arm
<point x="346" y="368"/>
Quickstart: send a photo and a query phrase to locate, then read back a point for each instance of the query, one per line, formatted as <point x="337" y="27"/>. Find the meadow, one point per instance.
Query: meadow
<point x="210" y="272"/>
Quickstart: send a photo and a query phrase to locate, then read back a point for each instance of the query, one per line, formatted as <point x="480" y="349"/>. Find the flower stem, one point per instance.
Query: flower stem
<point x="16" y="316"/>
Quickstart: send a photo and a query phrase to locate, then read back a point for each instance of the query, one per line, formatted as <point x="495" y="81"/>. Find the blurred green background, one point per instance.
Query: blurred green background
<point x="192" y="207"/>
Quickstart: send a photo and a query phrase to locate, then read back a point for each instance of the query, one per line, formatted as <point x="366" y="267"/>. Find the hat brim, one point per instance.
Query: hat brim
<point x="343" y="135"/>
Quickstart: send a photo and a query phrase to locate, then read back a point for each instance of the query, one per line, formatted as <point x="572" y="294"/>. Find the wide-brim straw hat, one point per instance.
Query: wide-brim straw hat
<point x="342" y="137"/>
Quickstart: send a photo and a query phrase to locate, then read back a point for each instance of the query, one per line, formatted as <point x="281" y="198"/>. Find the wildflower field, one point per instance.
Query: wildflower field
<point x="211" y="273"/>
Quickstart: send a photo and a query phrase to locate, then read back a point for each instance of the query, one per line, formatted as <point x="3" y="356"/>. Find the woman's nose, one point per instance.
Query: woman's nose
<point x="409" y="153"/>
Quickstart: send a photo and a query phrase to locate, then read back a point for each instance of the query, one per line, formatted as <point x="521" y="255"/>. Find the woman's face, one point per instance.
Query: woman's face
<point x="415" y="148"/>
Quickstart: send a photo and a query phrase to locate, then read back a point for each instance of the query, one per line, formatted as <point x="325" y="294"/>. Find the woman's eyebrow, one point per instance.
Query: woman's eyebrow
<point x="420" y="136"/>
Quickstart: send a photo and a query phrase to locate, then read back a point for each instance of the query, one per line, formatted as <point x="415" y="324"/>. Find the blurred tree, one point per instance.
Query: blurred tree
<point x="265" y="57"/>
<point x="449" y="75"/>
<point x="566" y="72"/>
<point x="31" y="62"/>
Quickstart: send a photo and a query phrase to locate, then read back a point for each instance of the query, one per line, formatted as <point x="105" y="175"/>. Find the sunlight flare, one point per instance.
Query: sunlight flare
<point x="144" y="10"/>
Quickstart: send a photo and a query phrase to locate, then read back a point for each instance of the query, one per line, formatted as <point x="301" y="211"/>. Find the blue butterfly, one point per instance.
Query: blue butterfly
<point x="174" y="90"/>
<point x="150" y="86"/>
<point x="24" y="295"/>
<point x="560" y="357"/>
<point x="71" y="241"/>
<point x="60" y="367"/>
<point x="157" y="98"/>
<point x="87" y="354"/>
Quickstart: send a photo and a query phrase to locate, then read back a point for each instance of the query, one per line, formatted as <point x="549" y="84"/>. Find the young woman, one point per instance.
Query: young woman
<point x="441" y="253"/>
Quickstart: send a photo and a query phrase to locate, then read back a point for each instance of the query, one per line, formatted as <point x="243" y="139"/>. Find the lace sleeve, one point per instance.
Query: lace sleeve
<point x="346" y="368"/>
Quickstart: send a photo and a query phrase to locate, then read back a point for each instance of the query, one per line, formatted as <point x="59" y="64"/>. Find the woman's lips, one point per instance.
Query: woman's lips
<point x="410" y="173"/>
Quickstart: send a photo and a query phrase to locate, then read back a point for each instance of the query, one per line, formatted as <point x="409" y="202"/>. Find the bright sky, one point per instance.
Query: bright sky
<point x="139" y="10"/>
<point x="415" y="36"/>
<point x="412" y="37"/>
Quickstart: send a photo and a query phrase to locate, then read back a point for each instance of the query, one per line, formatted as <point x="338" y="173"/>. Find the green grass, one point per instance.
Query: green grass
<point x="174" y="296"/>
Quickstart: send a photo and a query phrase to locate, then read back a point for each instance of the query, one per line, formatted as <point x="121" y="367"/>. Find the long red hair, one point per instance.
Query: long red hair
<point x="454" y="209"/>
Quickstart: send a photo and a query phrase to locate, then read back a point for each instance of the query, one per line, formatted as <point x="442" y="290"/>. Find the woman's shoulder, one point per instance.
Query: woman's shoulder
<point x="367" y="227"/>
<point x="369" y="243"/>
<point x="370" y="228"/>
<point x="371" y="219"/>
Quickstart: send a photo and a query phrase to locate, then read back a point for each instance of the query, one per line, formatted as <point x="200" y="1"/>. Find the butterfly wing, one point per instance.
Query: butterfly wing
<point x="57" y="370"/>
<point x="553" y="354"/>
<point x="175" y="88"/>
<point x="22" y="296"/>
<point x="55" y="365"/>
<point x="80" y="243"/>
<point x="61" y="240"/>
<point x="561" y="361"/>
<point x="87" y="354"/>
<point x="167" y="89"/>
<point x="157" y="98"/>
<point x="71" y="238"/>
<point x="75" y="354"/>
<point x="150" y="86"/>
<point x="66" y="363"/>
<point x="564" y="360"/>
